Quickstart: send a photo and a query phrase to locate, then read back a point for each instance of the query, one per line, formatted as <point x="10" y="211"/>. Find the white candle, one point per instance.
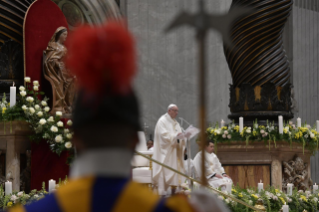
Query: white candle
<point x="52" y="185"/>
<point x="280" y="124"/>
<point x="8" y="187"/>
<point x="289" y="188"/>
<point x="317" y="125"/>
<point x="260" y="186"/>
<point x="241" y="124"/>
<point x="315" y="188"/>
<point x="13" y="91"/>
<point x="222" y="123"/>
<point x="298" y="122"/>
<point x="285" y="208"/>
<point x="228" y="187"/>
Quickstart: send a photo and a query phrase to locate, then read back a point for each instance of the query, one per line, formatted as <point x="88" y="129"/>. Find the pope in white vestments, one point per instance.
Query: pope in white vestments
<point x="168" y="150"/>
<point x="214" y="171"/>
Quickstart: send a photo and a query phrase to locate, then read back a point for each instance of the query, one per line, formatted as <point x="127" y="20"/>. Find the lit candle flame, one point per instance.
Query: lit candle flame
<point x="260" y="181"/>
<point x="13" y="84"/>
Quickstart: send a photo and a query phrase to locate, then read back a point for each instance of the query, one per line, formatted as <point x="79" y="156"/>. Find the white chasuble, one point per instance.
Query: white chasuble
<point x="212" y="167"/>
<point x="169" y="151"/>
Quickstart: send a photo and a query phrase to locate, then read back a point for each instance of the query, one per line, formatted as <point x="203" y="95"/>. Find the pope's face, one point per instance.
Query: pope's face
<point x="173" y="112"/>
<point x="210" y="148"/>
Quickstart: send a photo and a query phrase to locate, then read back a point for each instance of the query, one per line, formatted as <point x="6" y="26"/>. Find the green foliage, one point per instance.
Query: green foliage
<point x="273" y="199"/>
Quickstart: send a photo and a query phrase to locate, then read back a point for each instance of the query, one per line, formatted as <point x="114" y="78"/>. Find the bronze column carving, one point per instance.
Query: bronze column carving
<point x="258" y="63"/>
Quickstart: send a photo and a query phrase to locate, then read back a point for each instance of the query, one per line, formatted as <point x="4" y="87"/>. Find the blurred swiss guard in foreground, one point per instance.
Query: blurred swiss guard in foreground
<point x="106" y="121"/>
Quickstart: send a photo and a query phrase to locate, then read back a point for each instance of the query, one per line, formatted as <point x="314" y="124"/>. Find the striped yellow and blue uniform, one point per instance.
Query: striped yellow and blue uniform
<point x="106" y="194"/>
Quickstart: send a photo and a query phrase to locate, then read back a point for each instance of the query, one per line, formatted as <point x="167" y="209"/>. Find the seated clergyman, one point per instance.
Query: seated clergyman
<point x="214" y="171"/>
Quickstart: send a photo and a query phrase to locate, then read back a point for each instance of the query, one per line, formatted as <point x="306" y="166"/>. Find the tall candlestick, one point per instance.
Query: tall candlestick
<point x="298" y="122"/>
<point x="8" y="187"/>
<point x="13" y="91"/>
<point x="289" y="188"/>
<point x="285" y="208"/>
<point x="52" y="185"/>
<point x="315" y="188"/>
<point x="280" y="124"/>
<point x="317" y="125"/>
<point x="241" y="124"/>
<point x="222" y="123"/>
<point x="260" y="186"/>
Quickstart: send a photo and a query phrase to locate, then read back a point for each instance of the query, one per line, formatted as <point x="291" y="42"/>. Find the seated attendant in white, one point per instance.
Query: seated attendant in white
<point x="215" y="173"/>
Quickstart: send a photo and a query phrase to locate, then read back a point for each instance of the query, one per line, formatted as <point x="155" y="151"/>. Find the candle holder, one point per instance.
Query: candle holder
<point x="260" y="205"/>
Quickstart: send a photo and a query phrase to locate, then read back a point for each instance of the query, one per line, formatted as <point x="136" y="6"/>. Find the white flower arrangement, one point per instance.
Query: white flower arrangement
<point x="47" y="109"/>
<point x="42" y="121"/>
<point x="58" y="139"/>
<point x="27" y="79"/>
<point x="44" y="103"/>
<point x="46" y="126"/>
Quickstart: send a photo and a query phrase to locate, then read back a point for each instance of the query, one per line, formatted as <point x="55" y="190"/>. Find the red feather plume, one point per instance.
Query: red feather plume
<point x="102" y="58"/>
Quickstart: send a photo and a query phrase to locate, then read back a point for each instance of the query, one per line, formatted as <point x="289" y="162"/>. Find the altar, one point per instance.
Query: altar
<point x="248" y="164"/>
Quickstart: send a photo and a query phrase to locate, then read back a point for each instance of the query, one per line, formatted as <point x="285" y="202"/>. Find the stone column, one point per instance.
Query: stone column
<point x="276" y="174"/>
<point x="13" y="163"/>
<point x="14" y="139"/>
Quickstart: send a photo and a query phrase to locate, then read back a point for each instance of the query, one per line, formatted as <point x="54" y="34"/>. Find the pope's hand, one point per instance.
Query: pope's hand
<point x="218" y="176"/>
<point x="225" y="175"/>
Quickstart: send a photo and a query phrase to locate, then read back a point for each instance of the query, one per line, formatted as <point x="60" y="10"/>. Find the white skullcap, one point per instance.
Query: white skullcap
<point x="171" y="106"/>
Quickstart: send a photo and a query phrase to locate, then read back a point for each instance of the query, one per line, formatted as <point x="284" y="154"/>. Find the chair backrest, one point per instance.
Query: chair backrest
<point x="139" y="160"/>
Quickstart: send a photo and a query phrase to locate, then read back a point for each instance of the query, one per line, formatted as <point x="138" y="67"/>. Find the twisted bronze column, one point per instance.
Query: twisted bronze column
<point x="258" y="63"/>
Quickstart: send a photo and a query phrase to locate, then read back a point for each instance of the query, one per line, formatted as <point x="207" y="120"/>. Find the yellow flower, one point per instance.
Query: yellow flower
<point x="285" y="131"/>
<point x="9" y="204"/>
<point x="261" y="126"/>
<point x="212" y="131"/>
<point x="254" y="133"/>
<point x="236" y="128"/>
<point x="224" y="128"/>
<point x="282" y="200"/>
<point x="303" y="198"/>
<point x="255" y="196"/>
<point x="240" y="195"/>
<point x="234" y="190"/>
<point x="3" y="110"/>
<point x="277" y="191"/>
<point x="9" y="104"/>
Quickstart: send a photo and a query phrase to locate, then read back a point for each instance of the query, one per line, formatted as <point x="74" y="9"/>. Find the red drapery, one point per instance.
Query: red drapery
<point x="42" y="19"/>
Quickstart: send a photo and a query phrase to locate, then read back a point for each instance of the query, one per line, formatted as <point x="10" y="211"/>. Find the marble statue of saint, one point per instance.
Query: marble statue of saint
<point x="55" y="72"/>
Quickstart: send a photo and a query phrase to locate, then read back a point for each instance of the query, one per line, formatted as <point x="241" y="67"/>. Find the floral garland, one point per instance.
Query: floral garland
<point x="36" y="112"/>
<point x="305" y="134"/>
<point x="273" y="199"/>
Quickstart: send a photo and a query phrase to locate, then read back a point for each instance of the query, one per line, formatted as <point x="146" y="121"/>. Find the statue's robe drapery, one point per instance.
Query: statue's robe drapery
<point x="59" y="77"/>
<point x="169" y="151"/>
<point x="212" y="167"/>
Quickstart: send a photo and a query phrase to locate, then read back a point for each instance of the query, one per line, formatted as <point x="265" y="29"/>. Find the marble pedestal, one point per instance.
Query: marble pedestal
<point x="14" y="141"/>
<point x="257" y="153"/>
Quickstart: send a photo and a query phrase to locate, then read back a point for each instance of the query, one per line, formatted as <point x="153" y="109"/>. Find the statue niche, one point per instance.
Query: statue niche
<point x="55" y="72"/>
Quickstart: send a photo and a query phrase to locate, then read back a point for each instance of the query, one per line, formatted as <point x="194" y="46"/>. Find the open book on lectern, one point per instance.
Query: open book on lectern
<point x="189" y="133"/>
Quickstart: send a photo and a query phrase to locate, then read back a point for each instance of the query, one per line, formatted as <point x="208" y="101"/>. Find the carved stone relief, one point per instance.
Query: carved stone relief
<point x="295" y="172"/>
